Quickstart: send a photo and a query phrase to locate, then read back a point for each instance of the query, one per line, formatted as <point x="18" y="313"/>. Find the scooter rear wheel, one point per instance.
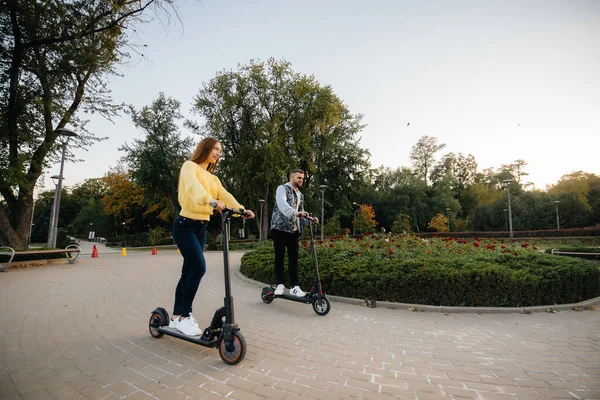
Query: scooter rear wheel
<point x="321" y="305"/>
<point x="237" y="353"/>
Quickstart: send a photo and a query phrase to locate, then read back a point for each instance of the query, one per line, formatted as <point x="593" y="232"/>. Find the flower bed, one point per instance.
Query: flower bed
<point x="438" y="271"/>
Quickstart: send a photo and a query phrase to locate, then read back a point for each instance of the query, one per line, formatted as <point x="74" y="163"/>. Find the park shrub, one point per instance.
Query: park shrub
<point x="437" y="271"/>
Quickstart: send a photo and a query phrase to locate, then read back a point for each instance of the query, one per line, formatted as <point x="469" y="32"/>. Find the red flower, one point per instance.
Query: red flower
<point x="358" y="253"/>
<point x="390" y="251"/>
<point x="476" y="244"/>
<point x="331" y="245"/>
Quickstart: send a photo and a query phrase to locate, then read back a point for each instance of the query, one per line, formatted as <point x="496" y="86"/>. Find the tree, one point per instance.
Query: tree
<point x="401" y="224"/>
<point x="439" y="223"/>
<point x="365" y="219"/>
<point x="57" y="55"/>
<point x="423" y="155"/>
<point x="332" y="226"/>
<point x="124" y="198"/>
<point x="270" y="120"/>
<point x="156" y="160"/>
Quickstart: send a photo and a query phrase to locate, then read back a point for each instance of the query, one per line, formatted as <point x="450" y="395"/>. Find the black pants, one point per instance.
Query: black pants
<point x="190" y="237"/>
<point x="281" y="241"/>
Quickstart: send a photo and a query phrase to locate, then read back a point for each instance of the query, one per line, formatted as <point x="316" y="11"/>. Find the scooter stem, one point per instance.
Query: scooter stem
<point x="228" y="300"/>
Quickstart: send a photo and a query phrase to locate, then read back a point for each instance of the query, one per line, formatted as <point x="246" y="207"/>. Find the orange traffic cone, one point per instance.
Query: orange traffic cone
<point x="154" y="251"/>
<point x="94" y="252"/>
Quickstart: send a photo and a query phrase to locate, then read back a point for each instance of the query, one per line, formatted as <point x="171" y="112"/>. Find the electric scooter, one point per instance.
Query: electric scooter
<point x="315" y="296"/>
<point x="223" y="333"/>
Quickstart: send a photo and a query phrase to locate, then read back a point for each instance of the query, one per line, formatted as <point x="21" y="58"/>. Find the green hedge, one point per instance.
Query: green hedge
<point x="493" y="279"/>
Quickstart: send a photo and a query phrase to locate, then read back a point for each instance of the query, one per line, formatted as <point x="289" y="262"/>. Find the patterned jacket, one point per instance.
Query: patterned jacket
<point x="284" y="211"/>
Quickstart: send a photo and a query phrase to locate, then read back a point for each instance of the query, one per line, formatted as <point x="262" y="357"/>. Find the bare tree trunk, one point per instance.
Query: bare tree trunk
<point x="17" y="237"/>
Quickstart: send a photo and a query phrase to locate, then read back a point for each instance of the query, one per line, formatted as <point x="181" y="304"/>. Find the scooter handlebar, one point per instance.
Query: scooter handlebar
<point x="309" y="217"/>
<point x="233" y="211"/>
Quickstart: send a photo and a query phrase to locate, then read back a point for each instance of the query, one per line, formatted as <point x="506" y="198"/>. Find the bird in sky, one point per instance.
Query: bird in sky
<point x="408" y="124"/>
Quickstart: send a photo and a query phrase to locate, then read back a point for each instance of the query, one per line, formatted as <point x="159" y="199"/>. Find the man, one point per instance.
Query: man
<point x="286" y="228"/>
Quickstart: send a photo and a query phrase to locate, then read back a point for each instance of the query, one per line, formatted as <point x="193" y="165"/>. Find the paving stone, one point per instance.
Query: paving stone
<point x="73" y="344"/>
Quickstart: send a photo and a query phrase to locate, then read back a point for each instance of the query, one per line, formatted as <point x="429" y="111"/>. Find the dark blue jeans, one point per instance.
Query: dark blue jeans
<point x="190" y="237"/>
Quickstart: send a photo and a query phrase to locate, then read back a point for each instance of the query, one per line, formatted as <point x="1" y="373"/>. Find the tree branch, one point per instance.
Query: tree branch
<point x="88" y="31"/>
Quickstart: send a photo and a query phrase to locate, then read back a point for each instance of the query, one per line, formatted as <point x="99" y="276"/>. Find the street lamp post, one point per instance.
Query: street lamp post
<point x="49" y="241"/>
<point x="448" y="212"/>
<point x="355" y="204"/>
<point x="557" y="202"/>
<point x="260" y="222"/>
<point x="68" y="134"/>
<point x="507" y="183"/>
<point x="322" y="187"/>
<point x="505" y="219"/>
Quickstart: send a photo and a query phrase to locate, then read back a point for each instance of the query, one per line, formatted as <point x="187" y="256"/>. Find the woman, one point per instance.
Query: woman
<point x="199" y="193"/>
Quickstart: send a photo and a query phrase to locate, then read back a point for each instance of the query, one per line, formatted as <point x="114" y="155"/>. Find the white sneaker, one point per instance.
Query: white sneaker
<point x="279" y="290"/>
<point x="189" y="326"/>
<point x="296" y="291"/>
<point x="173" y="322"/>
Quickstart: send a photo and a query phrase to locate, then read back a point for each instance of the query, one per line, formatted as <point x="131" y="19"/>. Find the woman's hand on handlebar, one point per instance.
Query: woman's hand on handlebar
<point x="220" y="206"/>
<point x="248" y="214"/>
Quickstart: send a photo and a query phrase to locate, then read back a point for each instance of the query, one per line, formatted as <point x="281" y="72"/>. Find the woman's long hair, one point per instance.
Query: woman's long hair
<point x="203" y="150"/>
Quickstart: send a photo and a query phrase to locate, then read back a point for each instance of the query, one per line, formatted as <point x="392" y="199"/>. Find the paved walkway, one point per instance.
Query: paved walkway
<point x="81" y="331"/>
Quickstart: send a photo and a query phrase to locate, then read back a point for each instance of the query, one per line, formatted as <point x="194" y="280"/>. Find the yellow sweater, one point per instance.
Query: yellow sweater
<point x="197" y="187"/>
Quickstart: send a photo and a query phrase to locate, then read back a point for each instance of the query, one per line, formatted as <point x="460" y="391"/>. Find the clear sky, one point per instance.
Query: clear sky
<point x="499" y="79"/>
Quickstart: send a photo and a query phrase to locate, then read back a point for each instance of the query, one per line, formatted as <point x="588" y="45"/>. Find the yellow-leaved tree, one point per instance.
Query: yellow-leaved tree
<point x="439" y="223"/>
<point x="365" y="219"/>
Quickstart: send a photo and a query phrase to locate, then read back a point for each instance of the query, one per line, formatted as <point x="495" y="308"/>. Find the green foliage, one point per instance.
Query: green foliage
<point x="56" y="57"/>
<point x="62" y="240"/>
<point x="156" y="234"/>
<point x="401" y="224"/>
<point x="438" y="271"/>
<point x="422" y="155"/>
<point x="156" y="160"/>
<point x="332" y="226"/>
<point x="270" y="120"/>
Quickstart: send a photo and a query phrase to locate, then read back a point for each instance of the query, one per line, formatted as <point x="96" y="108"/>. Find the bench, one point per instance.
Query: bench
<point x="71" y="252"/>
<point x="574" y="253"/>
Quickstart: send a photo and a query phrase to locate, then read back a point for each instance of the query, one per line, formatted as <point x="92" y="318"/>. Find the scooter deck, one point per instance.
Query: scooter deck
<point x="303" y="299"/>
<point x="194" y="339"/>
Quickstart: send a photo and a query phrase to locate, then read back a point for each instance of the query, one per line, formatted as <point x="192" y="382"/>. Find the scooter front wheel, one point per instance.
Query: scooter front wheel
<point x="157" y="319"/>
<point x="267" y="295"/>
<point x="238" y="350"/>
<point x="321" y="305"/>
